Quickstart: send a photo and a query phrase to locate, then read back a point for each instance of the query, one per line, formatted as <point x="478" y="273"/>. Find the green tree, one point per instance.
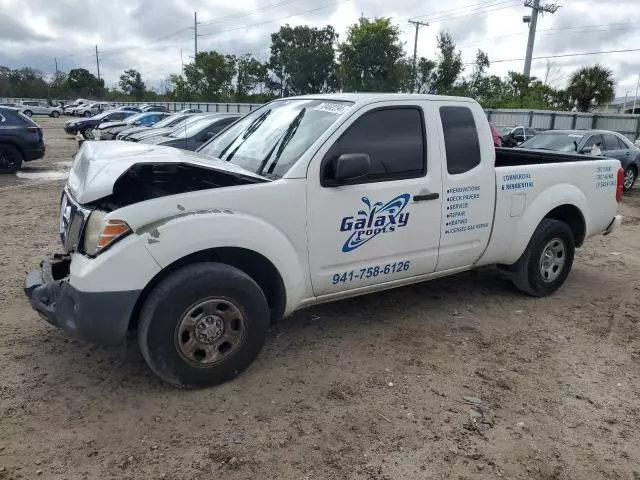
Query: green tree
<point x="591" y="86"/>
<point x="131" y="84"/>
<point x="303" y="58"/>
<point x="425" y="71"/>
<point x="210" y="76"/>
<point x="372" y="59"/>
<point x="449" y="66"/>
<point x="178" y="89"/>
<point x="83" y="83"/>
<point x="251" y="74"/>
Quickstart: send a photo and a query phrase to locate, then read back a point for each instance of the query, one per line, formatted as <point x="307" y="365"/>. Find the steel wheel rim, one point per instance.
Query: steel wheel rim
<point x="628" y="178"/>
<point x="553" y="259"/>
<point x="210" y="331"/>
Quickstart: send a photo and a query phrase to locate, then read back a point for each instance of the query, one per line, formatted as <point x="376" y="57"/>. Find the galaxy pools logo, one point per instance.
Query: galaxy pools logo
<point x="376" y="219"/>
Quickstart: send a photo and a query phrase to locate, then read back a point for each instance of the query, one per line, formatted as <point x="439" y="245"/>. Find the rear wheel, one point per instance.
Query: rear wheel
<point x="630" y="175"/>
<point x="203" y="325"/>
<point x="87" y="114"/>
<point x="547" y="261"/>
<point x="10" y="159"/>
<point x="28" y="113"/>
<point x="55" y="114"/>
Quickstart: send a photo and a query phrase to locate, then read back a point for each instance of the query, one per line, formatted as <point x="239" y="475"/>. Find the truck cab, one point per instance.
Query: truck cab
<point x="305" y="200"/>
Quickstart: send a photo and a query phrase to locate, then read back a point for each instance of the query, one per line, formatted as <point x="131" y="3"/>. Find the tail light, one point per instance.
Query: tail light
<point x="620" y="185"/>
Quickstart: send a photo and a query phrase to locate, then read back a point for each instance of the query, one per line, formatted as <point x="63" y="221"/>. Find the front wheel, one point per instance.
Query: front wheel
<point x="10" y="159"/>
<point x="28" y="113"/>
<point x="546" y="263"/>
<point x="87" y="114"/>
<point x="630" y="176"/>
<point x="203" y="325"/>
<point x="55" y="114"/>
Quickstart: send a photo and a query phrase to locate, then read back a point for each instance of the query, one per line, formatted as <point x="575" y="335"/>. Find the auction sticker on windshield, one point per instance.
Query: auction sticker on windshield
<point x="336" y="108"/>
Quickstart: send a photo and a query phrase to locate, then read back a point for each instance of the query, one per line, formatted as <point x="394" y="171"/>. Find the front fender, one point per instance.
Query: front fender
<point x="183" y="234"/>
<point x="550" y="198"/>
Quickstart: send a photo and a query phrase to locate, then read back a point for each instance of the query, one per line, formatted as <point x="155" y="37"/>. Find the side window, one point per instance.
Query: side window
<point x="392" y="137"/>
<point x="592" y="141"/>
<point x="623" y="145"/>
<point x="461" y="142"/>
<point x="530" y="132"/>
<point x="610" y="142"/>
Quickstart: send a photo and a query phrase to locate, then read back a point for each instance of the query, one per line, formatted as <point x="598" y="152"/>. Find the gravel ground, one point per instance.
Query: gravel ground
<point x="461" y="378"/>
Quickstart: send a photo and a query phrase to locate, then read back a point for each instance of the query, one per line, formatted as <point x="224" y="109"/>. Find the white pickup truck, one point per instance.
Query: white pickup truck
<point x="305" y="200"/>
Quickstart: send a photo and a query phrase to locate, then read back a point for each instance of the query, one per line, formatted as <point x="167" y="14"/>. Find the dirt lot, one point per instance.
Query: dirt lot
<point x="370" y="388"/>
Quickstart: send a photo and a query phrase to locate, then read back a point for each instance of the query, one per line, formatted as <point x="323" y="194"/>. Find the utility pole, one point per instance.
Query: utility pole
<point x="98" y="62"/>
<point x="416" y="24"/>
<point x="181" y="61"/>
<point x="56" y="60"/>
<point x="195" y="36"/>
<point x="636" y="97"/>
<point x="533" y="22"/>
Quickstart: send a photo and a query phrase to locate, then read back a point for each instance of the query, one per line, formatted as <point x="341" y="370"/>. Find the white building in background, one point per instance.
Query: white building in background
<point x="620" y="105"/>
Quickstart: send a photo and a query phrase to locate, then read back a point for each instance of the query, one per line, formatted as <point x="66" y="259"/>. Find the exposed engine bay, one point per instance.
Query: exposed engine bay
<point x="146" y="181"/>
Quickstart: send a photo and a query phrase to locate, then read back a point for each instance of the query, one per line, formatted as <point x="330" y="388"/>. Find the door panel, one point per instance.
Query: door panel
<point x="375" y="231"/>
<point x="468" y="177"/>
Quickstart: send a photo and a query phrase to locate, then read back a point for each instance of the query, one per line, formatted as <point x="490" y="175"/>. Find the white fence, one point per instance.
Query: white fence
<point x="627" y="125"/>
<point x="172" y="106"/>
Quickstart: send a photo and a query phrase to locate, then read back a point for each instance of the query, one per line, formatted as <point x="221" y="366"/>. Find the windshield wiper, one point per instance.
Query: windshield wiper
<point x="246" y="134"/>
<point x="286" y="138"/>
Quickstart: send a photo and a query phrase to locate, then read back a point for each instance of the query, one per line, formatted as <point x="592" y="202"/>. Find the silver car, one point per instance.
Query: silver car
<point x="30" y="108"/>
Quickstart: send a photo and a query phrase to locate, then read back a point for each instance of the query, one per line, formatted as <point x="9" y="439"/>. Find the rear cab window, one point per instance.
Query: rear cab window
<point x="462" y="145"/>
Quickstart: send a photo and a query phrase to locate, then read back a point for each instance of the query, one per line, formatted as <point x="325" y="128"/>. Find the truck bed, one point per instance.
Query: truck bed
<point x="513" y="157"/>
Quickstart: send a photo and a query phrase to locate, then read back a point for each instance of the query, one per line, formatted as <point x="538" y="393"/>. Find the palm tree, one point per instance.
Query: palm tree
<point x="591" y="86"/>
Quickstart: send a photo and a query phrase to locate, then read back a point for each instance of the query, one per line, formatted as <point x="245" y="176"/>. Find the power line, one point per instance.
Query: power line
<point x="246" y="14"/>
<point x="476" y="12"/>
<point x="564" y="55"/>
<point x="464" y="8"/>
<point x="275" y="19"/>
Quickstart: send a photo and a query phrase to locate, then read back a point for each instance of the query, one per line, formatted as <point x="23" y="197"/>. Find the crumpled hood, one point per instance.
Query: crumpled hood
<point x="98" y="165"/>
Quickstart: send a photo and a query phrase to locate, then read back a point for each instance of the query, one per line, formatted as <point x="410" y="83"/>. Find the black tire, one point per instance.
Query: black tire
<point x="28" y="113"/>
<point x="87" y="114"/>
<point x="87" y="133"/>
<point x="171" y="300"/>
<point x="55" y="114"/>
<point x="528" y="276"/>
<point x="10" y="158"/>
<point x="630" y="176"/>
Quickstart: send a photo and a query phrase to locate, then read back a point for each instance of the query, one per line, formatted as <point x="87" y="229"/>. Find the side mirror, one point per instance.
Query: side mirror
<point x="586" y="150"/>
<point x="350" y="166"/>
<point x="137" y="123"/>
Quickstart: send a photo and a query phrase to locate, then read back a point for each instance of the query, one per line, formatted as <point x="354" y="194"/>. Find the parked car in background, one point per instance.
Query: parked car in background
<point x="610" y="144"/>
<point x="514" y="136"/>
<point x="158" y="131"/>
<point x="193" y="136"/>
<point x="89" y="110"/>
<point x="66" y="110"/>
<point x="21" y="140"/>
<point x="190" y="110"/>
<point x="10" y="105"/>
<point x="87" y="125"/>
<point x="128" y="108"/>
<point x="109" y="130"/>
<point x="169" y="122"/>
<point x="30" y="108"/>
<point x="156" y="108"/>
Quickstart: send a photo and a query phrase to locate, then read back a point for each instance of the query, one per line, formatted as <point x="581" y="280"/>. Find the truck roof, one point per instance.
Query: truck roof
<point x="366" y="98"/>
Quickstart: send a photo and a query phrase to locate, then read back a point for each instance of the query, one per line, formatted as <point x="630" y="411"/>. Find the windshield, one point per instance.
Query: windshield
<point x="559" y="142"/>
<point x="102" y="115"/>
<point x="169" y="121"/>
<point x="269" y="141"/>
<point x="191" y="128"/>
<point x="134" y="118"/>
